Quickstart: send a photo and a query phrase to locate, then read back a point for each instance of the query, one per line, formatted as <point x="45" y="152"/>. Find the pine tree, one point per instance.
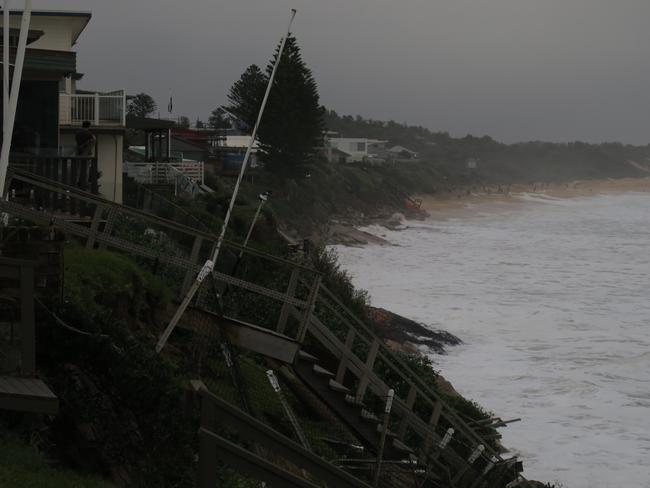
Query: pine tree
<point x="141" y="105"/>
<point x="245" y="96"/>
<point x="217" y="119"/>
<point x="291" y="131"/>
<point x="292" y="128"/>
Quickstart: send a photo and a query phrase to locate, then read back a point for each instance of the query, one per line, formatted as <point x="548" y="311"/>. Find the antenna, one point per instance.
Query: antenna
<point x="208" y="267"/>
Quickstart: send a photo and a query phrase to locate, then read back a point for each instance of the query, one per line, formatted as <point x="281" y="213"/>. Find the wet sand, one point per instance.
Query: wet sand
<point x="461" y="201"/>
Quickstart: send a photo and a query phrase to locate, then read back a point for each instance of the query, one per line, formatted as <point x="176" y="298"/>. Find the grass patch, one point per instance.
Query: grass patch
<point x="22" y="467"/>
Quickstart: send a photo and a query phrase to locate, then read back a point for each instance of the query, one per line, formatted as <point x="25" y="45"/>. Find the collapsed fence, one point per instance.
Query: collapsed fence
<point x="279" y="309"/>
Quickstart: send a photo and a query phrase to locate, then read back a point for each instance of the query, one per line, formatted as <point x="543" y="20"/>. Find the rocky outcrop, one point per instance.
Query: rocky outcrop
<point x="408" y="335"/>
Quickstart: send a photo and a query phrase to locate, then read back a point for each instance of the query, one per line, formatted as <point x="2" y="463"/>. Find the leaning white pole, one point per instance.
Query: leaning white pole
<point x="13" y="96"/>
<point x="5" y="61"/>
<point x="209" y="264"/>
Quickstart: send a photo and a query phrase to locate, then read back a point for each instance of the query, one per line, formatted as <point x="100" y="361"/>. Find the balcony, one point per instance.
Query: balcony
<point x="99" y="109"/>
<point x="186" y="177"/>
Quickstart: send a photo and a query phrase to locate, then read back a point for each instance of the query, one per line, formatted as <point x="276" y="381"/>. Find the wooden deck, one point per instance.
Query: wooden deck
<point x="27" y="395"/>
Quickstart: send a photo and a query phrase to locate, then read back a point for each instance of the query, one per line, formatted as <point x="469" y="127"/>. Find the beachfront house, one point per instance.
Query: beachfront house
<point x="51" y="109"/>
<point x="400" y="153"/>
<point x="471" y="164"/>
<point x="357" y="149"/>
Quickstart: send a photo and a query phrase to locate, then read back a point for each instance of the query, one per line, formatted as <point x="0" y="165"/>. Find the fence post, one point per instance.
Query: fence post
<point x="27" y="334"/>
<point x="108" y="226"/>
<point x="370" y="364"/>
<point x="124" y="108"/>
<point x="433" y="422"/>
<point x="94" y="226"/>
<point x="286" y="308"/>
<point x="384" y="431"/>
<point x="410" y="401"/>
<point x="343" y="364"/>
<point x="309" y="309"/>
<point x="207" y="473"/>
<point x="96" y="109"/>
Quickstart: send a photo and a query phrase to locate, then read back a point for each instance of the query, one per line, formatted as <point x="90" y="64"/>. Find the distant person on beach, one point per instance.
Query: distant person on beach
<point x="85" y="140"/>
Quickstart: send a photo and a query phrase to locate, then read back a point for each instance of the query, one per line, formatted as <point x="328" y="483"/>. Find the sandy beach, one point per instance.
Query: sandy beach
<point x="460" y="201"/>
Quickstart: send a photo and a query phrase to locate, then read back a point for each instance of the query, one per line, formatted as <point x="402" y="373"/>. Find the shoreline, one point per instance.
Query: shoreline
<point x="460" y="202"/>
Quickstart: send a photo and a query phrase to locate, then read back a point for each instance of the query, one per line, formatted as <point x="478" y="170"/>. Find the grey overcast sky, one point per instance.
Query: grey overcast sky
<point x="558" y="70"/>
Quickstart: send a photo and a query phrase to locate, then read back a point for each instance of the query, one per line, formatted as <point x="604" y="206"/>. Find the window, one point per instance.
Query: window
<point x="359" y="146"/>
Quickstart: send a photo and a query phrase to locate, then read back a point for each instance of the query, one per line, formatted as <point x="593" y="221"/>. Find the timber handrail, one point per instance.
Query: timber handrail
<point x="76" y="193"/>
<point x="215" y="411"/>
<point x="404" y="371"/>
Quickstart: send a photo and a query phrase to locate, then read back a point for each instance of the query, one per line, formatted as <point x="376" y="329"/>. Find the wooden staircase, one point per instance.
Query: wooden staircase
<point x="338" y="356"/>
<point x="366" y="425"/>
<point x="365" y="370"/>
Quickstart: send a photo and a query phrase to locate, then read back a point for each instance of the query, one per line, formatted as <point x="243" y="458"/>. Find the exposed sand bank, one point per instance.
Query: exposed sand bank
<point x="459" y="201"/>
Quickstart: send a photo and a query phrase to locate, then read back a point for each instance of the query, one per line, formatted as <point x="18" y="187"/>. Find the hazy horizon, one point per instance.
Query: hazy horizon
<point x="516" y="70"/>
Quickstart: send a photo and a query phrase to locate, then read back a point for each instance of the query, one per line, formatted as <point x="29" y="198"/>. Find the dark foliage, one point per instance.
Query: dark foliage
<point x="141" y="105"/>
<point x="292" y="130"/>
<point x="292" y="126"/>
<point x="244" y="98"/>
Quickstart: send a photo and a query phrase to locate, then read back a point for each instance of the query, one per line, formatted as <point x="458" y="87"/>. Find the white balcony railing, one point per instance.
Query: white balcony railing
<point x="98" y="109"/>
<point x="187" y="177"/>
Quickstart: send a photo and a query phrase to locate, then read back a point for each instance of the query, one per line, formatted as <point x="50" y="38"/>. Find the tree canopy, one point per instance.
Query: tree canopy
<point x="141" y="105"/>
<point x="291" y="131"/>
<point x="245" y="96"/>
<point x="218" y="120"/>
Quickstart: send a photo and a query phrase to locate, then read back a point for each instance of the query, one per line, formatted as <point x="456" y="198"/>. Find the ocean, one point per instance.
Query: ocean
<point x="552" y="300"/>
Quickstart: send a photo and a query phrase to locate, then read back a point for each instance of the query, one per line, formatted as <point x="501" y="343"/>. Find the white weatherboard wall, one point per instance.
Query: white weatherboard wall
<point x="109" y="162"/>
<point x="358" y="148"/>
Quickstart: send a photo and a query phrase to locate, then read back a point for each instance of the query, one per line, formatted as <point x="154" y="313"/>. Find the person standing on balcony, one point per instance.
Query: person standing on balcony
<point x="85" y="140"/>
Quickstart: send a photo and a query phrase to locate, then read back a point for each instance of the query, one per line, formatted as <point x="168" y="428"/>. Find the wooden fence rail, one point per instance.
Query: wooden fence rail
<point x="217" y="414"/>
<point x="303" y="309"/>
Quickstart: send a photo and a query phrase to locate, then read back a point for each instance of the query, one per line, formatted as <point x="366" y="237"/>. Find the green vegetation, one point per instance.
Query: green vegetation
<point x="245" y="97"/>
<point x="499" y="163"/>
<point x="141" y="105"/>
<point x="104" y="284"/>
<point x="22" y="467"/>
<point x="291" y="131"/>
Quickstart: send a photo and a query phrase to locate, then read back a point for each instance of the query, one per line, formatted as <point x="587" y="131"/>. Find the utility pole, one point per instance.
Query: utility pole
<point x="11" y="97"/>
<point x="208" y="267"/>
<point x="263" y="198"/>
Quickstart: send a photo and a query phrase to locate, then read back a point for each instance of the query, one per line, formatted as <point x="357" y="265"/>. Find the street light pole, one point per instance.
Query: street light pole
<point x="263" y="197"/>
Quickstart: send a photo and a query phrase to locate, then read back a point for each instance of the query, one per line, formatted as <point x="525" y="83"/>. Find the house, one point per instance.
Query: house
<point x="231" y="152"/>
<point x="357" y="149"/>
<point x="471" y="164"/>
<point x="51" y="109"/>
<point x="166" y="156"/>
<point x="401" y="153"/>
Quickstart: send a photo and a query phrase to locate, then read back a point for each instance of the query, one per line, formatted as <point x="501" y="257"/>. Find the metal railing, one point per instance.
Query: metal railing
<point x="160" y="173"/>
<point x="77" y="171"/>
<point x="98" y="109"/>
<point x="175" y="251"/>
<point x="186" y="177"/>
